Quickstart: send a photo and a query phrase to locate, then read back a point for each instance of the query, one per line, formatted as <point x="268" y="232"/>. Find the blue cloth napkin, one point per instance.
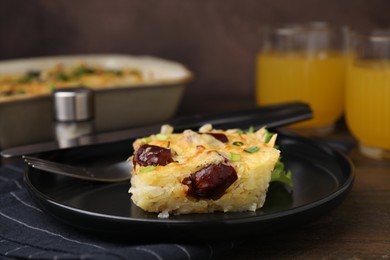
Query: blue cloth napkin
<point x="26" y="232"/>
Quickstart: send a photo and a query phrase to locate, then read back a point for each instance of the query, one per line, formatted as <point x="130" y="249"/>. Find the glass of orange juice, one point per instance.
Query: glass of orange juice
<point x="368" y="95"/>
<point x="305" y="63"/>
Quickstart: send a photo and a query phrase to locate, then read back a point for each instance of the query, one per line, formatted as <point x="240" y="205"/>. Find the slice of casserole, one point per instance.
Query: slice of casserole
<point x="205" y="171"/>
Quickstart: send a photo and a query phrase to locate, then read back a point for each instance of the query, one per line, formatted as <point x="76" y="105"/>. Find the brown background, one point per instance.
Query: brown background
<point x="216" y="39"/>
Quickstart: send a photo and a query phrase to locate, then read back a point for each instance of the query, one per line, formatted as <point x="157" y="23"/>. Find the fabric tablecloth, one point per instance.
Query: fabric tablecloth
<point x="26" y="232"/>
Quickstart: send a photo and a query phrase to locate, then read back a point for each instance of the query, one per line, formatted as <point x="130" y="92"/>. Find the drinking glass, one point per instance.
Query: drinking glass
<point x="305" y="63"/>
<point x="368" y="94"/>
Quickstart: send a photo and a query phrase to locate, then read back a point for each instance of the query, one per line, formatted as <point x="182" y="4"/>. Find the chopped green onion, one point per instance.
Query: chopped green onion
<point x="252" y="149"/>
<point x="240" y="131"/>
<point x="250" y="130"/>
<point x="162" y="137"/>
<point x="148" y="168"/>
<point x="146" y="140"/>
<point x="238" y="143"/>
<point x="235" y="157"/>
<point x="268" y="136"/>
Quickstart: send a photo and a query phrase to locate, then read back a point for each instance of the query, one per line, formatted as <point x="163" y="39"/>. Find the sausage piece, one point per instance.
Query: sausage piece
<point x="211" y="181"/>
<point x="219" y="136"/>
<point x="152" y="155"/>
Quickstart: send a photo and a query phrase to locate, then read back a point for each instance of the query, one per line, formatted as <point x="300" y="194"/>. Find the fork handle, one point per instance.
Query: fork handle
<point x="270" y="116"/>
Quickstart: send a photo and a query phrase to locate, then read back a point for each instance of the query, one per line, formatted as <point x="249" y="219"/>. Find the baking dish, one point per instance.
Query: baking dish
<point x="29" y="119"/>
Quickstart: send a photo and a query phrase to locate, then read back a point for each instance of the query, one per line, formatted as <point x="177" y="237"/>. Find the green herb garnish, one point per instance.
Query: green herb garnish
<point x="280" y="175"/>
<point x="252" y="149"/>
<point x="240" y="131"/>
<point x="148" y="168"/>
<point x="238" y="143"/>
<point x="251" y="130"/>
<point x="82" y="70"/>
<point x="62" y="77"/>
<point x="268" y="136"/>
<point x="29" y="77"/>
<point x="146" y="140"/>
<point x="162" y="137"/>
<point x="235" y="157"/>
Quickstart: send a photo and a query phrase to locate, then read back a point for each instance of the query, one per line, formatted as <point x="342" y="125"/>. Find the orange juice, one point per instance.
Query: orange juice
<point x="317" y="79"/>
<point x="368" y="103"/>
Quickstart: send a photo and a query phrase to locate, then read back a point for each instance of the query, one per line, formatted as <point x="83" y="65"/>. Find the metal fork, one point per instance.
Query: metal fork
<point x="113" y="173"/>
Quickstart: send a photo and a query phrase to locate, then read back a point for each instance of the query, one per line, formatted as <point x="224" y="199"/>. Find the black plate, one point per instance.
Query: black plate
<point x="322" y="179"/>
